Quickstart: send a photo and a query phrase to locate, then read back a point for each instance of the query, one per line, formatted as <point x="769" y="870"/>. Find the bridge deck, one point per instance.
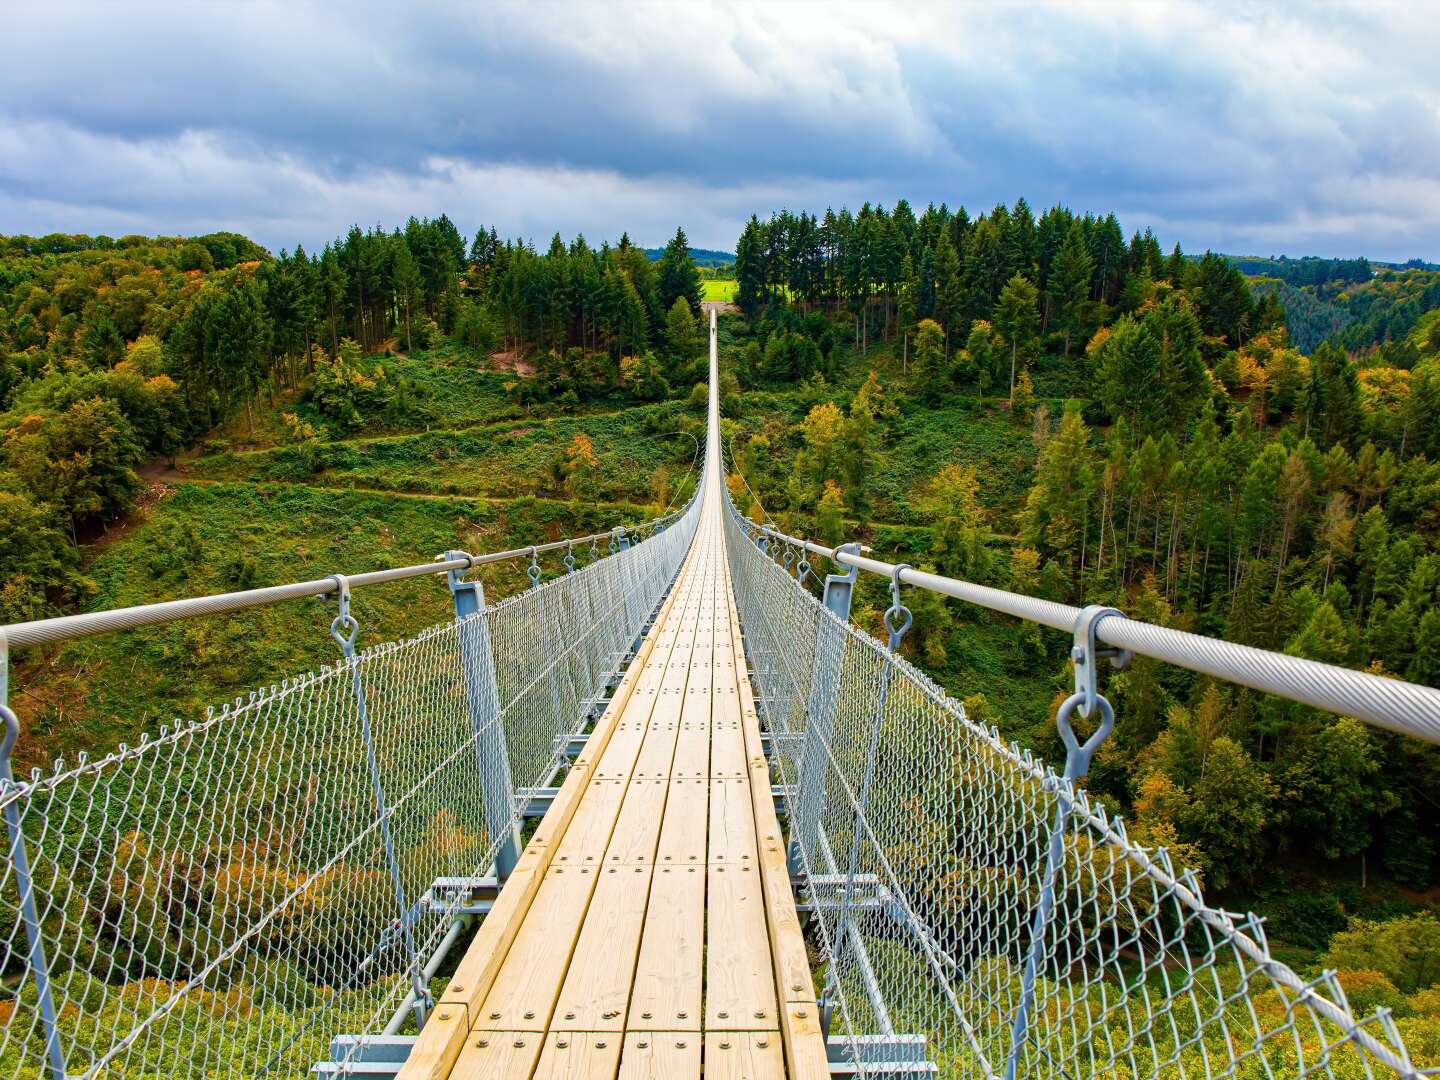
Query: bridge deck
<point x="649" y="928"/>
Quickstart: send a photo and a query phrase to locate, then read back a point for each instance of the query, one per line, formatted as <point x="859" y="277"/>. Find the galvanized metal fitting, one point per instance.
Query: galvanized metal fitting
<point x="1086" y="653"/>
<point x="839" y="588"/>
<point x="898" y="618"/>
<point x="343" y="628"/>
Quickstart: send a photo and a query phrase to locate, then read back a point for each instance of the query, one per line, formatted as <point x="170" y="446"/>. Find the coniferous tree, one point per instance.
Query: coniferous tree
<point x="1018" y="321"/>
<point x="678" y="277"/>
<point x="1069" y="284"/>
<point x="949" y="288"/>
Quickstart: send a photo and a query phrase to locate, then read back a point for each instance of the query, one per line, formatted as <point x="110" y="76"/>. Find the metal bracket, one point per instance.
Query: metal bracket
<point x="492" y="759"/>
<point x="344" y="628"/>
<point x="839" y="588"/>
<point x="473" y="591"/>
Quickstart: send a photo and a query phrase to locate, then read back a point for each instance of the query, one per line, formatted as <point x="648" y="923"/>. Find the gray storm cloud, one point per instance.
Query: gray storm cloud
<point x="1311" y="130"/>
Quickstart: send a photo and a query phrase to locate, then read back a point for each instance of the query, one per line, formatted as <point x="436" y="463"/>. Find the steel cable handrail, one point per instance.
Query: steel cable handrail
<point x="1404" y="707"/>
<point x="88" y="624"/>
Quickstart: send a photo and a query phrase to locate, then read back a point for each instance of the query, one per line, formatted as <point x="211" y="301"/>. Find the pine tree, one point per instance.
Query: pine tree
<point x="681" y="335"/>
<point x="1069" y="284"/>
<point x="1056" y="516"/>
<point x="1180" y="376"/>
<point x="928" y="368"/>
<point x="909" y="288"/>
<point x="750" y="268"/>
<point x="407" y="282"/>
<point x="949" y="288"/>
<point x="1018" y="321"/>
<point x="830" y="515"/>
<point x="678" y="276"/>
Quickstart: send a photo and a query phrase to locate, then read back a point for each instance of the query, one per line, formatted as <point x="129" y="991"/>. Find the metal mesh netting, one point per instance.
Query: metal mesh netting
<point x="929" y="845"/>
<point x="221" y="899"/>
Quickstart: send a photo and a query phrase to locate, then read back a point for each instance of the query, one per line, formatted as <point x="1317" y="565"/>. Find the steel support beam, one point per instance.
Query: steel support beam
<point x="482" y="695"/>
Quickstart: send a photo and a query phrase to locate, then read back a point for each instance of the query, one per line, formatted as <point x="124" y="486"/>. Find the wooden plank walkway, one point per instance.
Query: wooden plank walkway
<point x="649" y="929"/>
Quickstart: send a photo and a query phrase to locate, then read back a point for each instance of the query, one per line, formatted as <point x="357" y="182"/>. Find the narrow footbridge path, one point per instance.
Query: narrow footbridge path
<point x="274" y="888"/>
<point x="649" y="924"/>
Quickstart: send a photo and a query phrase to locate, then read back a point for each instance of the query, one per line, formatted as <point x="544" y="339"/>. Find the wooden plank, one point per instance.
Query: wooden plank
<point x="684" y="826"/>
<point x="529" y="981"/>
<point x="579" y="1055"/>
<point x="667" y="990"/>
<point x="660" y="1055"/>
<point x="588" y="836"/>
<point x="744" y="1055"/>
<point x="727" y="749"/>
<point x="732" y="824"/>
<point x="805" y="1055"/>
<point x="602" y="967"/>
<point x="656" y="755"/>
<point x="637" y="829"/>
<point x="433" y="1058"/>
<point x="498" y="1055"/>
<point x="619" y="756"/>
<point x="739" y="978"/>
<point x="787" y="940"/>
<point x="692" y="752"/>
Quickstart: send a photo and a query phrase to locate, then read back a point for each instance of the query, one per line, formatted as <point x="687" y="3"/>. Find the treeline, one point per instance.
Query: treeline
<point x="113" y="352"/>
<point x="1385" y="311"/>
<point x="1206" y="474"/>
<point x="890" y="270"/>
<point x="1377" y="313"/>
<point x="1306" y="270"/>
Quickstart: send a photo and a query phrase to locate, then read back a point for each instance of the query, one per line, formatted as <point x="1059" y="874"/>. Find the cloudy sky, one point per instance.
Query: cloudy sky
<point x="1259" y="128"/>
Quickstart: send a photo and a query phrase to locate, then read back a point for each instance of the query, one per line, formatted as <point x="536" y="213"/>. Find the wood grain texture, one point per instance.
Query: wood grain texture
<point x="498" y="1055"/>
<point x="744" y="1055"/>
<point x="668" y="976"/>
<point x="660" y="1055"/>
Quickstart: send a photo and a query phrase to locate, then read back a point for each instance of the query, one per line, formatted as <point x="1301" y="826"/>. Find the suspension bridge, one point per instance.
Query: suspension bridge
<point x="665" y="814"/>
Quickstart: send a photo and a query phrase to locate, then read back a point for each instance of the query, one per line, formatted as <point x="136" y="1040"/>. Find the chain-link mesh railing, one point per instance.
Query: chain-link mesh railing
<point x="221" y="899"/>
<point x="967" y="894"/>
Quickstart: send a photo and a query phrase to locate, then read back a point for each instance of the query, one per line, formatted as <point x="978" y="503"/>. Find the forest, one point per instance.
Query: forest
<point x="1034" y="402"/>
<point x="115" y="353"/>
<point x="1042" y="405"/>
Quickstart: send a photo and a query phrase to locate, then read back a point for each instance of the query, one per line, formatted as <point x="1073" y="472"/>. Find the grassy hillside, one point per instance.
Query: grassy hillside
<point x="508" y="459"/>
<point x="203" y="538"/>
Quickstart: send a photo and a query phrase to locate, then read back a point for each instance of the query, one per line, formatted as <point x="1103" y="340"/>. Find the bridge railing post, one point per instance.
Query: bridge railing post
<point x="19" y="859"/>
<point x="820" y="713"/>
<point x="1086" y="654"/>
<point x="482" y="696"/>
<point x="345" y="630"/>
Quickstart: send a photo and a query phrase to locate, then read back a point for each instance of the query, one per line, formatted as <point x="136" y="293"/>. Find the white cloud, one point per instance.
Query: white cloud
<point x="1308" y="129"/>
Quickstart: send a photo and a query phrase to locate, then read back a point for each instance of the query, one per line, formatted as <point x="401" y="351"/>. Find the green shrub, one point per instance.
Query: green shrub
<point x="1405" y="950"/>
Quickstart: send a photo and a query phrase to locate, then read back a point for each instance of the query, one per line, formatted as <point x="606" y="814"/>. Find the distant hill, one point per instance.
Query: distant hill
<point x="1312" y="270"/>
<point x="1309" y="320"/>
<point x="702" y="256"/>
